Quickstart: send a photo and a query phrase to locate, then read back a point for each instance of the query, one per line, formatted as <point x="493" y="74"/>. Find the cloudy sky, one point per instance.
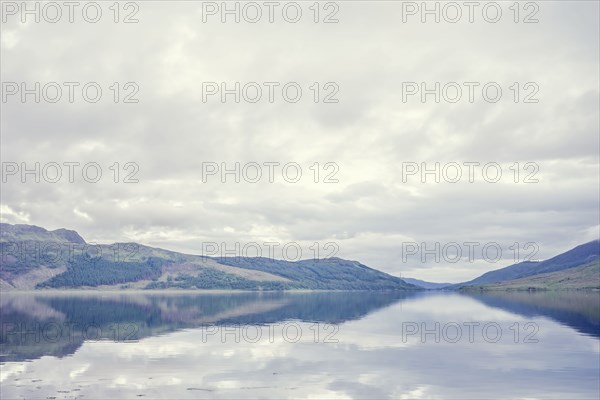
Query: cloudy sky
<point x="370" y="61"/>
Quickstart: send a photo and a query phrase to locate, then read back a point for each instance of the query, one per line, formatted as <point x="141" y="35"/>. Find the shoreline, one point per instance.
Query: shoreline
<point x="189" y="291"/>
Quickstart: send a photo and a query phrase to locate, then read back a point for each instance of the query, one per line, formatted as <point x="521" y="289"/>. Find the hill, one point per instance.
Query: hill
<point x="425" y="284"/>
<point x="576" y="257"/>
<point x="35" y="258"/>
<point x="584" y="277"/>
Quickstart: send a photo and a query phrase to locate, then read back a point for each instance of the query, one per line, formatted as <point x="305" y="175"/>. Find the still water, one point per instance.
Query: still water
<point x="300" y="345"/>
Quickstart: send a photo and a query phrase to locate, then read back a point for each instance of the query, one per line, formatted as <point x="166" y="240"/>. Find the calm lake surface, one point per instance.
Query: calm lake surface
<point x="300" y="345"/>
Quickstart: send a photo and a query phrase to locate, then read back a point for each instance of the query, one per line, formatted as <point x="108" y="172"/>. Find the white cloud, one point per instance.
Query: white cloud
<point x="170" y="133"/>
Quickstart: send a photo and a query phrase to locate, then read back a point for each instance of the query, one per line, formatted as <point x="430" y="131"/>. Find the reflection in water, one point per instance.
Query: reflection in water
<point x="58" y="324"/>
<point x="177" y="351"/>
<point x="577" y="309"/>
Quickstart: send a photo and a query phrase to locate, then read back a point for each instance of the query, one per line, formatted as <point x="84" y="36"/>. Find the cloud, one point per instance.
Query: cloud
<point x="170" y="133"/>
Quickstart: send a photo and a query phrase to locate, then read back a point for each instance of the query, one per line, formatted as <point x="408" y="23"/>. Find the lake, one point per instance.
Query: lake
<point x="336" y="345"/>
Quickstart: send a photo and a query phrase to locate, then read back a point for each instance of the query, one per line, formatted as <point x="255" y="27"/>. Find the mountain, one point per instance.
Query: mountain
<point x="425" y="284"/>
<point x="579" y="256"/>
<point x="584" y="277"/>
<point x="20" y="233"/>
<point x="35" y="258"/>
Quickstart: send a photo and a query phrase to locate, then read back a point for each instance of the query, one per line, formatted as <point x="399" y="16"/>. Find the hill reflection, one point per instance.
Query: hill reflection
<point x="57" y="324"/>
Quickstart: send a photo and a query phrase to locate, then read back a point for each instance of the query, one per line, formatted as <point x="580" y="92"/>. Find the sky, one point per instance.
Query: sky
<point x="353" y="99"/>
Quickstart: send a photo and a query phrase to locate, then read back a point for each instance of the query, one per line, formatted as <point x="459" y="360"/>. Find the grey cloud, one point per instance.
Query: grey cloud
<point x="369" y="133"/>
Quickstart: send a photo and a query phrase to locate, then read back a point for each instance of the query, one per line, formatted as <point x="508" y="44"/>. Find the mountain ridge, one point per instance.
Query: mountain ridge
<point x="584" y="277"/>
<point x="426" y="284"/>
<point x="578" y="256"/>
<point x="36" y="258"/>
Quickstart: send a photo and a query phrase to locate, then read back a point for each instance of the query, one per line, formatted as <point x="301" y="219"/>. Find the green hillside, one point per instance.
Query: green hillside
<point x="578" y="256"/>
<point x="584" y="277"/>
<point x="34" y="258"/>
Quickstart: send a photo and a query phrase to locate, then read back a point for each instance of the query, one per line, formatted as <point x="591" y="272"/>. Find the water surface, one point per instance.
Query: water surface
<point x="300" y="345"/>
